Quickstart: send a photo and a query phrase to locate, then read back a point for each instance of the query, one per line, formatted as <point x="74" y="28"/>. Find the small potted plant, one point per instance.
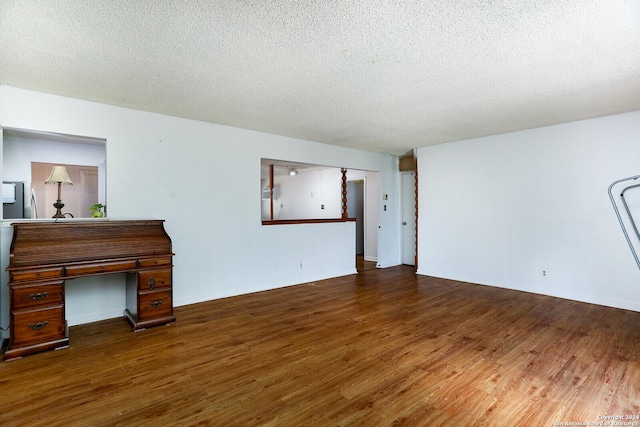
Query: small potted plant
<point x="96" y="210"/>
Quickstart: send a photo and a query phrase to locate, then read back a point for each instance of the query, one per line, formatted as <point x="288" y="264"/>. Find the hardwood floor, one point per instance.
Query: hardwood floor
<point x="384" y="347"/>
<point x="362" y="265"/>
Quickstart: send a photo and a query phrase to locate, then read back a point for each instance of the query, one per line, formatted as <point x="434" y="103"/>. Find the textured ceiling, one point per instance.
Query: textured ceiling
<point x="385" y="76"/>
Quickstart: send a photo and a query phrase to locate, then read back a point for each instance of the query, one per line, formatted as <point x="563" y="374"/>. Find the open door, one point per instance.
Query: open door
<point x="408" y="218"/>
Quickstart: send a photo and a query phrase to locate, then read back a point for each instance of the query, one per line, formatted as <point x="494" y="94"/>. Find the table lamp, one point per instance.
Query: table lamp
<point x="59" y="176"/>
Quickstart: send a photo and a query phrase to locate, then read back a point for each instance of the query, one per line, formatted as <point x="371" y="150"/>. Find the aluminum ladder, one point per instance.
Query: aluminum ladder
<point x="628" y="212"/>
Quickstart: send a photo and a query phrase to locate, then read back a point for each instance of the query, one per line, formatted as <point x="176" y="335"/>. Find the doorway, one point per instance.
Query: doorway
<point x="77" y="198"/>
<point x="409" y="218"/>
<point x="355" y="209"/>
<point x="356" y="202"/>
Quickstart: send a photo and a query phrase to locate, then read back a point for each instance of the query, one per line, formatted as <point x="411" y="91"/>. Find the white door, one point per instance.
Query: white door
<point x="409" y="218"/>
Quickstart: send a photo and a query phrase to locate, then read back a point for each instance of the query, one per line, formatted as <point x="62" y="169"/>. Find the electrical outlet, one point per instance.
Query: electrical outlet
<point x="300" y="265"/>
<point x="544" y="273"/>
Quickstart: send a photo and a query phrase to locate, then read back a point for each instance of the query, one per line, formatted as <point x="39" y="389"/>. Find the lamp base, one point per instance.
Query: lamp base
<point x="58" y="205"/>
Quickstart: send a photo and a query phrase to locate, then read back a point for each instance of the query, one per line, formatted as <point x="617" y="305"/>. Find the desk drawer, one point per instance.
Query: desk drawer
<point x="154" y="305"/>
<point x="37" y="326"/>
<point x="155" y="262"/>
<point x="154" y="279"/>
<point x="39" y="274"/>
<point x="39" y="295"/>
<point x="101" y="268"/>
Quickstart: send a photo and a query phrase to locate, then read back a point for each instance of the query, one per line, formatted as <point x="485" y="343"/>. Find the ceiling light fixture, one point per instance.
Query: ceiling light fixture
<point x="293" y="171"/>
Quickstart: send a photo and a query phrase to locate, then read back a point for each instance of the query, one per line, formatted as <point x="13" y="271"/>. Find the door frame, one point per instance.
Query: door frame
<point x="363" y="179"/>
<point x="415" y="219"/>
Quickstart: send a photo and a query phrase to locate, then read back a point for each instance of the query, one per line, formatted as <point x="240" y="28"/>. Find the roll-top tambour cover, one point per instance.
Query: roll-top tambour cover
<point x="63" y="242"/>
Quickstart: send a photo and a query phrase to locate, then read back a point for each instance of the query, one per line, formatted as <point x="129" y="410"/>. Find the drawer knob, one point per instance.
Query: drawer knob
<point x="151" y="283"/>
<point x="39" y="325"/>
<point x="38" y="296"/>
<point x="156" y="303"/>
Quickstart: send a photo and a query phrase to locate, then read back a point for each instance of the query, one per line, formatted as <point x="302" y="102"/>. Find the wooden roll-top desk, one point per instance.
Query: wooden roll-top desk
<point x="44" y="255"/>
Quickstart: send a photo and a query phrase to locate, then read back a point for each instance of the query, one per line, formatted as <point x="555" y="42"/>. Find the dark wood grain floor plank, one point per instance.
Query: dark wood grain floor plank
<point x="384" y="347"/>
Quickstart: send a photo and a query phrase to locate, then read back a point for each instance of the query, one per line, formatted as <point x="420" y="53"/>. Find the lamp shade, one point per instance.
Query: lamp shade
<point x="59" y="175"/>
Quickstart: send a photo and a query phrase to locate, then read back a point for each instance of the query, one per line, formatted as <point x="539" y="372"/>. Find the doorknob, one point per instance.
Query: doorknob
<point x="404" y="223"/>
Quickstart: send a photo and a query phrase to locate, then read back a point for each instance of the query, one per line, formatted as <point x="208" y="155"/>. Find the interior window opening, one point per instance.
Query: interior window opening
<point x="51" y="175"/>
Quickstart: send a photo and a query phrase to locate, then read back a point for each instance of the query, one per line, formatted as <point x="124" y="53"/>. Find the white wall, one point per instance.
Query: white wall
<point x="501" y="209"/>
<point x="18" y="153"/>
<point x="303" y="195"/>
<point x="185" y="172"/>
